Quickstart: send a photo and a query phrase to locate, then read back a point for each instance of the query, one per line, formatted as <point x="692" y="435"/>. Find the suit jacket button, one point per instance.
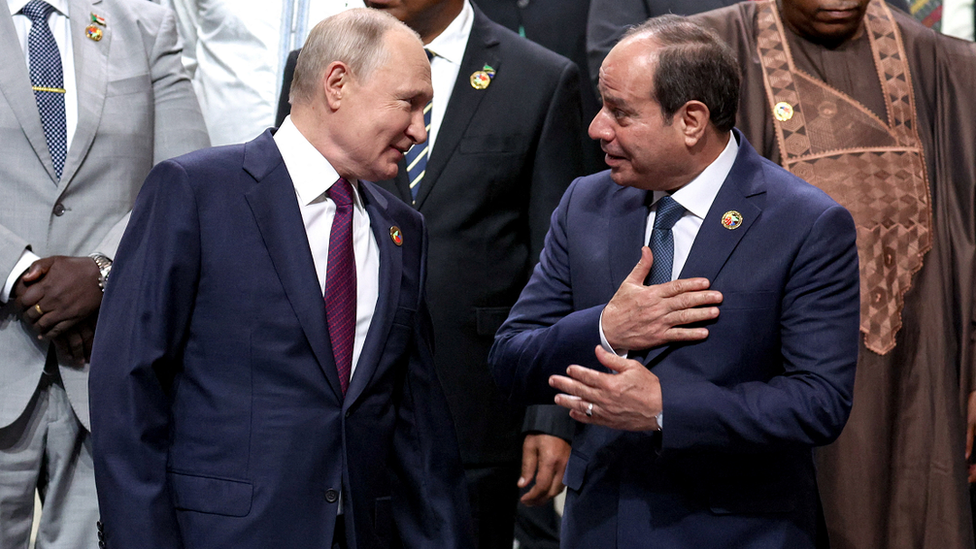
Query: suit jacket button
<point x="59" y="209"/>
<point x="331" y="495"/>
<point x="101" y="545"/>
<point x="99" y="525"/>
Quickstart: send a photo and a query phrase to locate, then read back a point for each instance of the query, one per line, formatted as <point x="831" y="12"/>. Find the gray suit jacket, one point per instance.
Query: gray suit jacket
<point x="135" y="108"/>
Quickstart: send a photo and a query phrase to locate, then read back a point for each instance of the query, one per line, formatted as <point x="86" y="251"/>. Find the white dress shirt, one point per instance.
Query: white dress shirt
<point x="235" y="52"/>
<point x="61" y="29"/>
<point x="312" y="176"/>
<point x="448" y="49"/>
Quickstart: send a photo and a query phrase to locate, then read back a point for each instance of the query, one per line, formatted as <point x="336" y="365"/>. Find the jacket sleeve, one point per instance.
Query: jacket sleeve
<point x="136" y="355"/>
<point x="544" y="333"/>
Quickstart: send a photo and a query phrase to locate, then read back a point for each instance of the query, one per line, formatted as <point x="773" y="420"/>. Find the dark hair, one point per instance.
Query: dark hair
<point x="692" y="64"/>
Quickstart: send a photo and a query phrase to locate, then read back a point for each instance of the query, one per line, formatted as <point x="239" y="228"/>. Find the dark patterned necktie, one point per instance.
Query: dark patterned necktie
<point x="416" y="157"/>
<point x="340" y="282"/>
<point x="47" y="80"/>
<point x="662" y="241"/>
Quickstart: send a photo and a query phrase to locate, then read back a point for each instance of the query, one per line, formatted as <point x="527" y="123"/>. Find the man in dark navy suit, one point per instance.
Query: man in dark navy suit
<point x="504" y="144"/>
<point x="726" y="354"/>
<point x="234" y="406"/>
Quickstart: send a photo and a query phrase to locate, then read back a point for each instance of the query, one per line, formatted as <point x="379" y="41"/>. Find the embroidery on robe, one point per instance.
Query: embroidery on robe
<point x="875" y="169"/>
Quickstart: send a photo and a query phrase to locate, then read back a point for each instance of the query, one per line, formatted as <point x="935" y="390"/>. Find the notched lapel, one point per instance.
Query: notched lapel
<point x="743" y="191"/>
<point x="15" y="86"/>
<point x="276" y="212"/>
<point x="91" y="78"/>
<point x="391" y="269"/>
<point x="464" y="102"/>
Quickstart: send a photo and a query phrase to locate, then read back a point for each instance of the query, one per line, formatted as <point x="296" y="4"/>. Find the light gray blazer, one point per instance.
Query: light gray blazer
<point x="136" y="107"/>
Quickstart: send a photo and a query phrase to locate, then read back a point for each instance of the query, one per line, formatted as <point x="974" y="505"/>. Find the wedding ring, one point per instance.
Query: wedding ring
<point x="589" y="410"/>
<point x="37" y="307"/>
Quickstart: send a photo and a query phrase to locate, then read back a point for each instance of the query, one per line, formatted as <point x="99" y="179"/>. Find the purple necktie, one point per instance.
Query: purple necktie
<point x="340" y="282"/>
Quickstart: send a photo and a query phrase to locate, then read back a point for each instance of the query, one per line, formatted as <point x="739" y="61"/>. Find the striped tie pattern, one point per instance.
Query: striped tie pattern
<point x="662" y="241"/>
<point x="47" y="80"/>
<point x="929" y="12"/>
<point x="340" y="282"/>
<point x="416" y="157"/>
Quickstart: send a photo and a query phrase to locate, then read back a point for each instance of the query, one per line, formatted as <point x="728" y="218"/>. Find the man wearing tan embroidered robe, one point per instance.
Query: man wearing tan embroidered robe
<point x="895" y="145"/>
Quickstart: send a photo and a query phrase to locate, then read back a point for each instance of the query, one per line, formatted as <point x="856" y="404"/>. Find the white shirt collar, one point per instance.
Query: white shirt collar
<point x="60" y="5"/>
<point x="450" y="44"/>
<point x="698" y="195"/>
<point x="310" y="172"/>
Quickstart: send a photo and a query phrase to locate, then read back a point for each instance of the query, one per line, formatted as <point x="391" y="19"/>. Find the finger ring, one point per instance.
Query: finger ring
<point x="589" y="410"/>
<point x="37" y="307"/>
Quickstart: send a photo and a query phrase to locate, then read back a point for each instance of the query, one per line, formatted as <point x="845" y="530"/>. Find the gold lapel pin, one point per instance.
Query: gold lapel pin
<point x="93" y="32"/>
<point x="783" y="111"/>
<point x="732" y="220"/>
<point x="396" y="236"/>
<point x="481" y="79"/>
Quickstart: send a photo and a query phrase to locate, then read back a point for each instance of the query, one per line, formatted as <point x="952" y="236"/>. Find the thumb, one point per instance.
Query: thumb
<point x="643" y="268"/>
<point x="616" y="363"/>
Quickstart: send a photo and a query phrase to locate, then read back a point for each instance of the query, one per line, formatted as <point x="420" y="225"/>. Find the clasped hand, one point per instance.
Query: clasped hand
<point x="59" y="297"/>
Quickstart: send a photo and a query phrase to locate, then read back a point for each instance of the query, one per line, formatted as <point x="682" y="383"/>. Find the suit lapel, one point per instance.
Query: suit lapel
<point x="91" y="78"/>
<point x="276" y="212"/>
<point x="15" y="86"/>
<point x="391" y="265"/>
<point x="743" y="192"/>
<point x="463" y="103"/>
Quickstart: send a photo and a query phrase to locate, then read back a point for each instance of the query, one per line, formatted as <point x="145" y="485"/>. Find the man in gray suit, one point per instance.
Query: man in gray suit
<point x="92" y="94"/>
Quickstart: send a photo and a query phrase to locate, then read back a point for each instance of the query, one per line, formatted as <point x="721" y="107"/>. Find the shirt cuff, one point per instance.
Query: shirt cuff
<point x="24" y="263"/>
<point x="603" y="341"/>
<point x="660" y="421"/>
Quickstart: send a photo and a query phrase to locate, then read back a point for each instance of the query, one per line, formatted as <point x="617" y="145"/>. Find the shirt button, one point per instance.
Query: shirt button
<point x="331" y="495"/>
<point x="59" y="209"/>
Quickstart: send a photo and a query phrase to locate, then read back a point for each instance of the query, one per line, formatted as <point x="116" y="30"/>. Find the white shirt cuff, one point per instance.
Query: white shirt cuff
<point x="25" y="261"/>
<point x="603" y="340"/>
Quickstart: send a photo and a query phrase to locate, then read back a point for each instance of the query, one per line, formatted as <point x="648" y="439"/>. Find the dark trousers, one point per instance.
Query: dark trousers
<point x="494" y="495"/>
<point x="339" y="536"/>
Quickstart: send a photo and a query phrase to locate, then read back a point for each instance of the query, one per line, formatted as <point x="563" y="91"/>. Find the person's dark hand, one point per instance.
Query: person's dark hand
<point x="58" y="292"/>
<point x="544" y="459"/>
<point x="75" y="344"/>
<point x="641" y="317"/>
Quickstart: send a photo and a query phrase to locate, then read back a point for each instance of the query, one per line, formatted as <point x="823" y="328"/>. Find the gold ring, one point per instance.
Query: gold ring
<point x="37" y="307"/>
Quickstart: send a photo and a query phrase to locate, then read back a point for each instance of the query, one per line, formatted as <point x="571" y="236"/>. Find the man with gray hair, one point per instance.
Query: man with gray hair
<point x="263" y="371"/>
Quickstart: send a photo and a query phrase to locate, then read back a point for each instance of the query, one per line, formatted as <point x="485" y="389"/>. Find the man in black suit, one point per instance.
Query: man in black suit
<point x="504" y="145"/>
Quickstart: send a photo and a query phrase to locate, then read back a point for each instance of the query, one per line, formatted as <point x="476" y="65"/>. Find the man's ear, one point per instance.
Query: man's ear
<point x="335" y="82"/>
<point x="693" y="118"/>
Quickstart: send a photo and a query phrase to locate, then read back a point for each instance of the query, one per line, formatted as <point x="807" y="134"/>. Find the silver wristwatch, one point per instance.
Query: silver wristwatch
<point x="104" y="268"/>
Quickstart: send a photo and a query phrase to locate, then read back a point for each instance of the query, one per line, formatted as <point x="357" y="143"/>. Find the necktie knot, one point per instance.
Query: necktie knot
<point x="668" y="213"/>
<point x="341" y="192"/>
<point x="37" y="11"/>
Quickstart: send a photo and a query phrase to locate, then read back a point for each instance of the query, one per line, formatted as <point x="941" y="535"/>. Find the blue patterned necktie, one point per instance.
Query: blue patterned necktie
<point x="416" y="157"/>
<point x="47" y="80"/>
<point x="662" y="241"/>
